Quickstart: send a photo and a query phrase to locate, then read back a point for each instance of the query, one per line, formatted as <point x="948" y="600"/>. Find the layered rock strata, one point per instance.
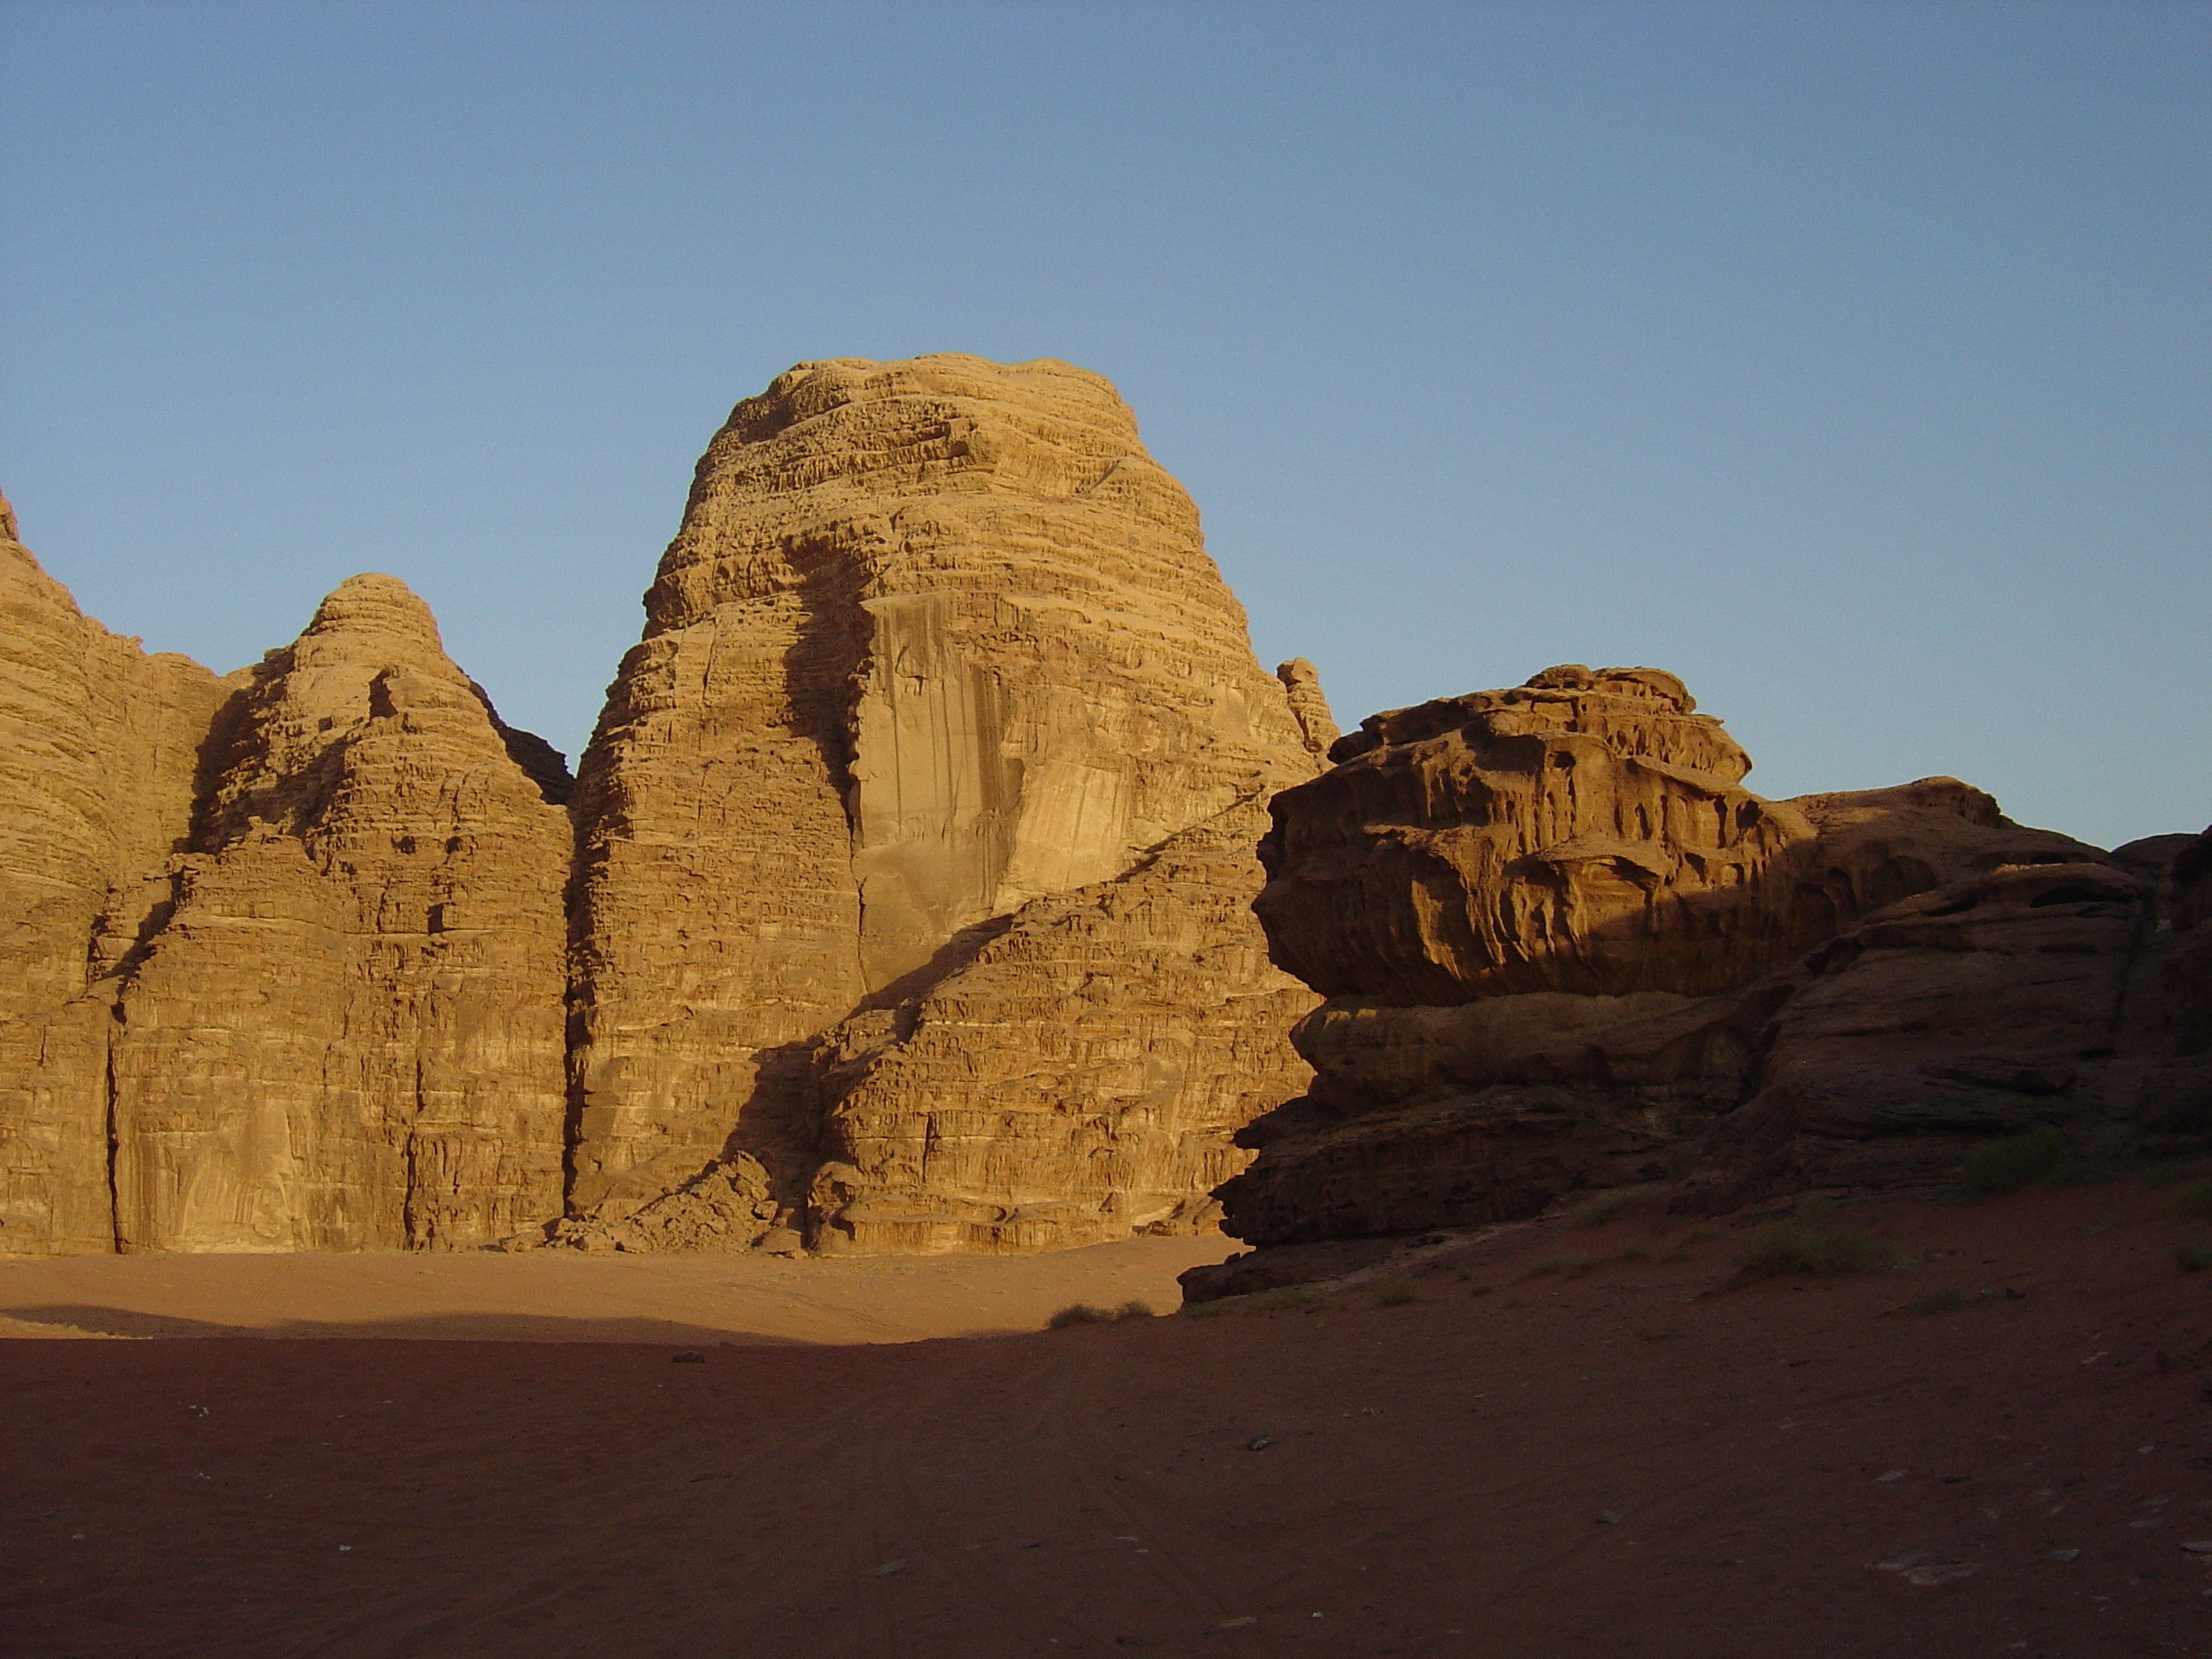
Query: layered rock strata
<point x="350" y="1032"/>
<point x="1564" y="947"/>
<point x="910" y="906"/>
<point x="902" y="904"/>
<point x="285" y="969"/>
<point x="99" y="745"/>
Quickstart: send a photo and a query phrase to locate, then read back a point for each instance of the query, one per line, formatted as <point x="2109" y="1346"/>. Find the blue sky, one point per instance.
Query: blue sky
<point x="1849" y="360"/>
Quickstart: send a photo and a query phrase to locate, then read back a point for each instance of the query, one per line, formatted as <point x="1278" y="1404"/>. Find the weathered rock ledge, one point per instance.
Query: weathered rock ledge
<point x="1564" y="949"/>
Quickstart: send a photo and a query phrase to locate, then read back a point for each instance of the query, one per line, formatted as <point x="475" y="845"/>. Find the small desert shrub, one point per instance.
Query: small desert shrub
<point x="2104" y="1218"/>
<point x="1396" y="1292"/>
<point x="1480" y="1287"/>
<point x="1601" y="1207"/>
<point x="1573" y="1265"/>
<point x="1079" y="1313"/>
<point x="1699" y="1234"/>
<point x="1811" y="1242"/>
<point x="1636" y="1253"/>
<point x="1662" y="1333"/>
<point x="2017" y="1161"/>
<point x="2166" y="1174"/>
<point x="1950" y="1299"/>
<point x="2192" y="1255"/>
<point x="2070" y="1171"/>
<point x="1134" y="1308"/>
<point x="2194" y="1200"/>
<point x="1514" y="1302"/>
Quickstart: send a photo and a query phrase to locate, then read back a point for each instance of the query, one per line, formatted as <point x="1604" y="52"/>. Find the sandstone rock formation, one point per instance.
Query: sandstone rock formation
<point x="1564" y="947"/>
<point x="350" y="1032"/>
<point x="910" y="910"/>
<point x="1993" y="1004"/>
<point x="902" y="902"/>
<point x="285" y="967"/>
<point x="99" y="743"/>
<point x="2189" y="966"/>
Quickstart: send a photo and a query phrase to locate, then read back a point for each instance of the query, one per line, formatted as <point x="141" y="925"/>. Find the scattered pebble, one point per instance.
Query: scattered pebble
<point x="1917" y="1567"/>
<point x="1894" y="1475"/>
<point x="2199" y="1546"/>
<point x="1239" y="1624"/>
<point x="1260" y="1442"/>
<point x="2067" y="1554"/>
<point x="1939" y="1572"/>
<point x="689" y="1357"/>
<point x="1610" y="1517"/>
<point x="889" y="1568"/>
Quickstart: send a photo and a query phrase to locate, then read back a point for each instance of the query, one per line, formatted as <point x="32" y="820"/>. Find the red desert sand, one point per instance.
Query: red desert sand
<point x="1552" y="1441"/>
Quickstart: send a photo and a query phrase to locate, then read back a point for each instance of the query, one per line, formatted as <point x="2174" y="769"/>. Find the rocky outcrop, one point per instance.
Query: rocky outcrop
<point x="1302" y="689"/>
<point x="285" y="962"/>
<point x="1080" y="1079"/>
<point x="910" y="906"/>
<point x="99" y="745"/>
<point x="349" y="1033"/>
<point x="1991" y="1005"/>
<point x="1564" y="947"/>
<point x="902" y="902"/>
<point x="2189" y="965"/>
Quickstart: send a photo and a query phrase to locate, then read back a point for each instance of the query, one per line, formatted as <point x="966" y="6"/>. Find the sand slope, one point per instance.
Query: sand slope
<point x="1619" y="1465"/>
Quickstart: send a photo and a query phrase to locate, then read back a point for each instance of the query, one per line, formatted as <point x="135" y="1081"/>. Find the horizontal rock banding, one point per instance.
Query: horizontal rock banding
<point x="901" y="903"/>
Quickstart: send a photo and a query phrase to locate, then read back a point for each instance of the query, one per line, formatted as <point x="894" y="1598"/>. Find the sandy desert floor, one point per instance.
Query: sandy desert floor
<point x="564" y="1296"/>
<point x="1606" y="1458"/>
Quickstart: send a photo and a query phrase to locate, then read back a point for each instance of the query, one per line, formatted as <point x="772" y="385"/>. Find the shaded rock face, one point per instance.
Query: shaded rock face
<point x="1562" y="947"/>
<point x="2189" y="966"/>
<point x="910" y="892"/>
<point x="286" y="967"/>
<point x="1994" y="1004"/>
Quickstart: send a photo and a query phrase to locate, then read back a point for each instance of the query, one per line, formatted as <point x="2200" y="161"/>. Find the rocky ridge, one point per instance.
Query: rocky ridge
<point x="944" y="731"/>
<point x="900" y="903"/>
<point x="1563" y="948"/>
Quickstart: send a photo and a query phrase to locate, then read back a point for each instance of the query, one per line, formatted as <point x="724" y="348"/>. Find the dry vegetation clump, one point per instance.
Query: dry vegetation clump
<point x="1083" y="1313"/>
<point x="2168" y="1173"/>
<point x="1573" y="1265"/>
<point x="2192" y="1255"/>
<point x="1812" y="1241"/>
<point x="1601" y="1207"/>
<point x="1950" y="1299"/>
<point x="1396" y="1292"/>
<point x="2021" y="1160"/>
<point x="2017" y="1161"/>
<point x="2194" y="1201"/>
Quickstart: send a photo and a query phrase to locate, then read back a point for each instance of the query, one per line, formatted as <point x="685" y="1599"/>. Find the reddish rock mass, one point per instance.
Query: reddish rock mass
<point x="1562" y="947"/>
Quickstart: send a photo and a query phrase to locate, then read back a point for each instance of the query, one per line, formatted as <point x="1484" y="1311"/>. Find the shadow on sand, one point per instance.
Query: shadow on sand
<point x="93" y="1321"/>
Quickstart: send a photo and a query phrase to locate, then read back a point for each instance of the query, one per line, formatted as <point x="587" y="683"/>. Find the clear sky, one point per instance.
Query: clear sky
<point x="1849" y="360"/>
